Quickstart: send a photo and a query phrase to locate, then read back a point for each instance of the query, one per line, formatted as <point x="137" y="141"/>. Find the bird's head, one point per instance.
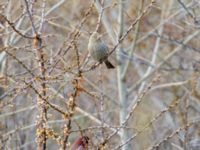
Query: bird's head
<point x="95" y="37"/>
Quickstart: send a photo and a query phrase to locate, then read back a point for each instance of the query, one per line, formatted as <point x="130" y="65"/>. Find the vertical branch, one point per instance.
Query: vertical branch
<point x="41" y="133"/>
<point x="186" y="103"/>
<point x="164" y="13"/>
<point x="100" y="16"/>
<point x="41" y="102"/>
<point x="122" y="87"/>
<point x="77" y="58"/>
<point x="101" y="115"/>
<point x="71" y="109"/>
<point x="72" y="99"/>
<point x="30" y="16"/>
<point x="100" y="73"/>
<point x="42" y="16"/>
<point x="3" y="57"/>
<point x="137" y="28"/>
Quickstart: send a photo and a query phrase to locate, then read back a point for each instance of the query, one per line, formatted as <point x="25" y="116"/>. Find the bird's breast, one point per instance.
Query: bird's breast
<point x="98" y="51"/>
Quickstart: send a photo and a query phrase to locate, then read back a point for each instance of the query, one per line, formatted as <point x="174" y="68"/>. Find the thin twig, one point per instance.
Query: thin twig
<point x="13" y="27"/>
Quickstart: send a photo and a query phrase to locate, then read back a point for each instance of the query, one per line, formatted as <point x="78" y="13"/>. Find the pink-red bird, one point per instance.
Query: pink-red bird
<point x="81" y="143"/>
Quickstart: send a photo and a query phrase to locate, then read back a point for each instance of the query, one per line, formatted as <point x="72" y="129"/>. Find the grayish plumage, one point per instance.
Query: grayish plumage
<point x="98" y="49"/>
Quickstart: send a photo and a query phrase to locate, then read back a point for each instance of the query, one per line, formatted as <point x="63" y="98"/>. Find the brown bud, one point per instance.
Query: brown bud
<point x="37" y="42"/>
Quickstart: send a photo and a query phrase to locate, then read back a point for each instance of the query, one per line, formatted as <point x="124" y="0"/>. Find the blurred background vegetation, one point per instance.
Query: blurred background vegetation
<point x="52" y="92"/>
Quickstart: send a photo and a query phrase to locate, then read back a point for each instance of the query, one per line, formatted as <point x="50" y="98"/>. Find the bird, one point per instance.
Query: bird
<point x="98" y="50"/>
<point x="81" y="143"/>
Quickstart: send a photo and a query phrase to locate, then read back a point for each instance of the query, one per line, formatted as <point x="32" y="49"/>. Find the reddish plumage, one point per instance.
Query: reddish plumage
<point x="81" y="143"/>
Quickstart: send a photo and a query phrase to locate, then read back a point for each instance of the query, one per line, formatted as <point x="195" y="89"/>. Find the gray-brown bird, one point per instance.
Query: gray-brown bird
<point x="99" y="50"/>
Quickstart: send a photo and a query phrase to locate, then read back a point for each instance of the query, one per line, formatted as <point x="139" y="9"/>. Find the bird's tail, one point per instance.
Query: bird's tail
<point x="108" y="64"/>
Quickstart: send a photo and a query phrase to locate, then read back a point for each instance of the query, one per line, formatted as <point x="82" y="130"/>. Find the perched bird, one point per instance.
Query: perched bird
<point x="81" y="143"/>
<point x="99" y="50"/>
